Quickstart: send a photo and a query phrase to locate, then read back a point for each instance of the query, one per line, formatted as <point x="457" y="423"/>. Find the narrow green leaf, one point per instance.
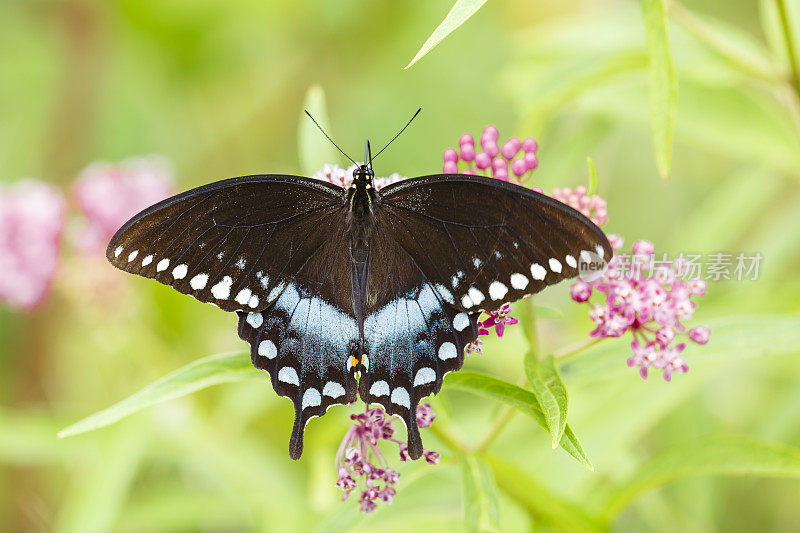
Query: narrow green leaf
<point x="716" y="456"/>
<point x="515" y="396"/>
<point x="549" y="389"/>
<point x="663" y="83"/>
<point x="544" y="506"/>
<point x="458" y="15"/>
<point x="205" y="372"/>
<point x="594" y="179"/>
<point x="314" y="150"/>
<point x="480" y="496"/>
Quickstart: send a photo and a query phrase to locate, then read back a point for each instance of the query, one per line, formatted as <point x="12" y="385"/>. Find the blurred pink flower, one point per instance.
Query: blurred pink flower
<point x="343" y="177"/>
<point x="649" y="306"/>
<point x="31" y="221"/>
<point x="592" y="207"/>
<point x="109" y="195"/>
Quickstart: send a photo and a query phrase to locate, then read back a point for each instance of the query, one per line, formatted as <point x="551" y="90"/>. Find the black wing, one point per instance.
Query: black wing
<point x="234" y="243"/>
<point x="484" y="242"/>
<point x="412" y="336"/>
<point x="272" y="248"/>
<point x="444" y="249"/>
<point x="307" y="339"/>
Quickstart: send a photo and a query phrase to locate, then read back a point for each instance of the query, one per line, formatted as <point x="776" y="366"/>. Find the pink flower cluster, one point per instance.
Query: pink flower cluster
<point x="31" y="222"/>
<point x="361" y="465"/>
<point x="108" y="195"/>
<point x="494" y="156"/>
<point x="592" y="207"/>
<point x="651" y="307"/>
<point x="343" y="177"/>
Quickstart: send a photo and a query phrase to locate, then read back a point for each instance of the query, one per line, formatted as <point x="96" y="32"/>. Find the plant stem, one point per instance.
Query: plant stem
<point x="575" y="349"/>
<point x="505" y="416"/>
<point x="790" y="48"/>
<point x="448" y="440"/>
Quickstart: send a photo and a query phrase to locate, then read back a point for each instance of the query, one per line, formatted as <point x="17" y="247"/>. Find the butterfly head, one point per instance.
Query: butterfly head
<point x="363" y="174"/>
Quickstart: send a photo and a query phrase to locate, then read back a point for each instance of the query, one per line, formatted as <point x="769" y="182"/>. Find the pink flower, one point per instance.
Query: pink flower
<point x="343" y="177"/>
<point x="649" y="302"/>
<point x="361" y="465"/>
<point x="592" y="207"/>
<point x="515" y="159"/>
<point x="498" y="320"/>
<point x="109" y="195"/>
<point x="31" y="221"/>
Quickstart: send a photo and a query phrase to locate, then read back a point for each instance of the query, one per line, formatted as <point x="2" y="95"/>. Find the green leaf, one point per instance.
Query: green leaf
<point x="549" y="389"/>
<point x="544" y="506"/>
<point x="594" y="179"/>
<point x="314" y="150"/>
<point x="205" y="372"/>
<point x="663" y="83"/>
<point x="480" y="495"/>
<point x="715" y="456"/>
<point x="515" y="396"/>
<point x="458" y="15"/>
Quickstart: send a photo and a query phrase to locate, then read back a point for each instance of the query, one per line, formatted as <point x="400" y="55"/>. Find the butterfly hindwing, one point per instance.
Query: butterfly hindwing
<point x="307" y="337"/>
<point x="412" y="337"/>
<point x="234" y="243"/>
<point x="484" y="242"/>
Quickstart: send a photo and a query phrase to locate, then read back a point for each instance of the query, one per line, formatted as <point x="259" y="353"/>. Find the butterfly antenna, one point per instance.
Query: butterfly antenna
<point x="328" y="137"/>
<point x="398" y="134"/>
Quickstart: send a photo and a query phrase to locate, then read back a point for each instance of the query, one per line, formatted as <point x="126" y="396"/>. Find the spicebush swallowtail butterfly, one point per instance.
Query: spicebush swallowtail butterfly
<point x="357" y="292"/>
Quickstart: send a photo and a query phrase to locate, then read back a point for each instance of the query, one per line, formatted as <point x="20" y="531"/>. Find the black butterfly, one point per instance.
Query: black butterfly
<point x="346" y="291"/>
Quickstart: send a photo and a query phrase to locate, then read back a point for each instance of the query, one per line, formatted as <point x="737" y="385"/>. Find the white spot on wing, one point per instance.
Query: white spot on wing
<point x="199" y="281"/>
<point x="266" y="348"/>
<point x="253" y="302"/>
<point x="586" y="256"/>
<point x="400" y="397"/>
<point x="255" y="320"/>
<point x="147" y="260"/>
<point x="460" y="321"/>
<point x="447" y="351"/>
<point x="288" y="375"/>
<point x="162" y="265"/>
<point x="518" y="281"/>
<point x="477" y="262"/>
<point x="179" y="272"/>
<point x="379" y="388"/>
<point x="220" y="255"/>
<point x="333" y="389"/>
<point x="555" y="265"/>
<point x="243" y="296"/>
<point x="365" y="362"/>
<point x="466" y="302"/>
<point x="600" y="250"/>
<point x="497" y="290"/>
<point x="424" y="375"/>
<point x="475" y="295"/>
<point x="538" y="271"/>
<point x="311" y="398"/>
<point x="240" y="264"/>
<point x="276" y="290"/>
<point x="263" y="278"/>
<point x="222" y="290"/>
<point x="132" y="255"/>
<point x="571" y="261"/>
<point x="118" y="251"/>
<point x="446" y="295"/>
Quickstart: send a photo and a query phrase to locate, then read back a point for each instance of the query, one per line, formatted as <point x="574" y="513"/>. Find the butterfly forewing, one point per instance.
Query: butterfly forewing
<point x="484" y="242"/>
<point x="234" y="243"/>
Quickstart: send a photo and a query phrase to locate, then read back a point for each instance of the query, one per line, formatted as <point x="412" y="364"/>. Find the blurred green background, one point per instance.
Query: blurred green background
<point x="218" y="87"/>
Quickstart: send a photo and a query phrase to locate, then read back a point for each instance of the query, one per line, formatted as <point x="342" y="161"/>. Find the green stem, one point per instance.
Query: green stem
<point x="505" y="416"/>
<point x="448" y="440"/>
<point x="790" y="48"/>
<point x="575" y="349"/>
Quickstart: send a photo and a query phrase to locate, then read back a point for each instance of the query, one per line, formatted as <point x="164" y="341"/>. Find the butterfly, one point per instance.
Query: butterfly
<point x="357" y="292"/>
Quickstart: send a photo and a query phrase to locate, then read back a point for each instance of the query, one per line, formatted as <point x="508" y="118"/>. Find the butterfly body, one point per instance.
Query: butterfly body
<point x="346" y="293"/>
